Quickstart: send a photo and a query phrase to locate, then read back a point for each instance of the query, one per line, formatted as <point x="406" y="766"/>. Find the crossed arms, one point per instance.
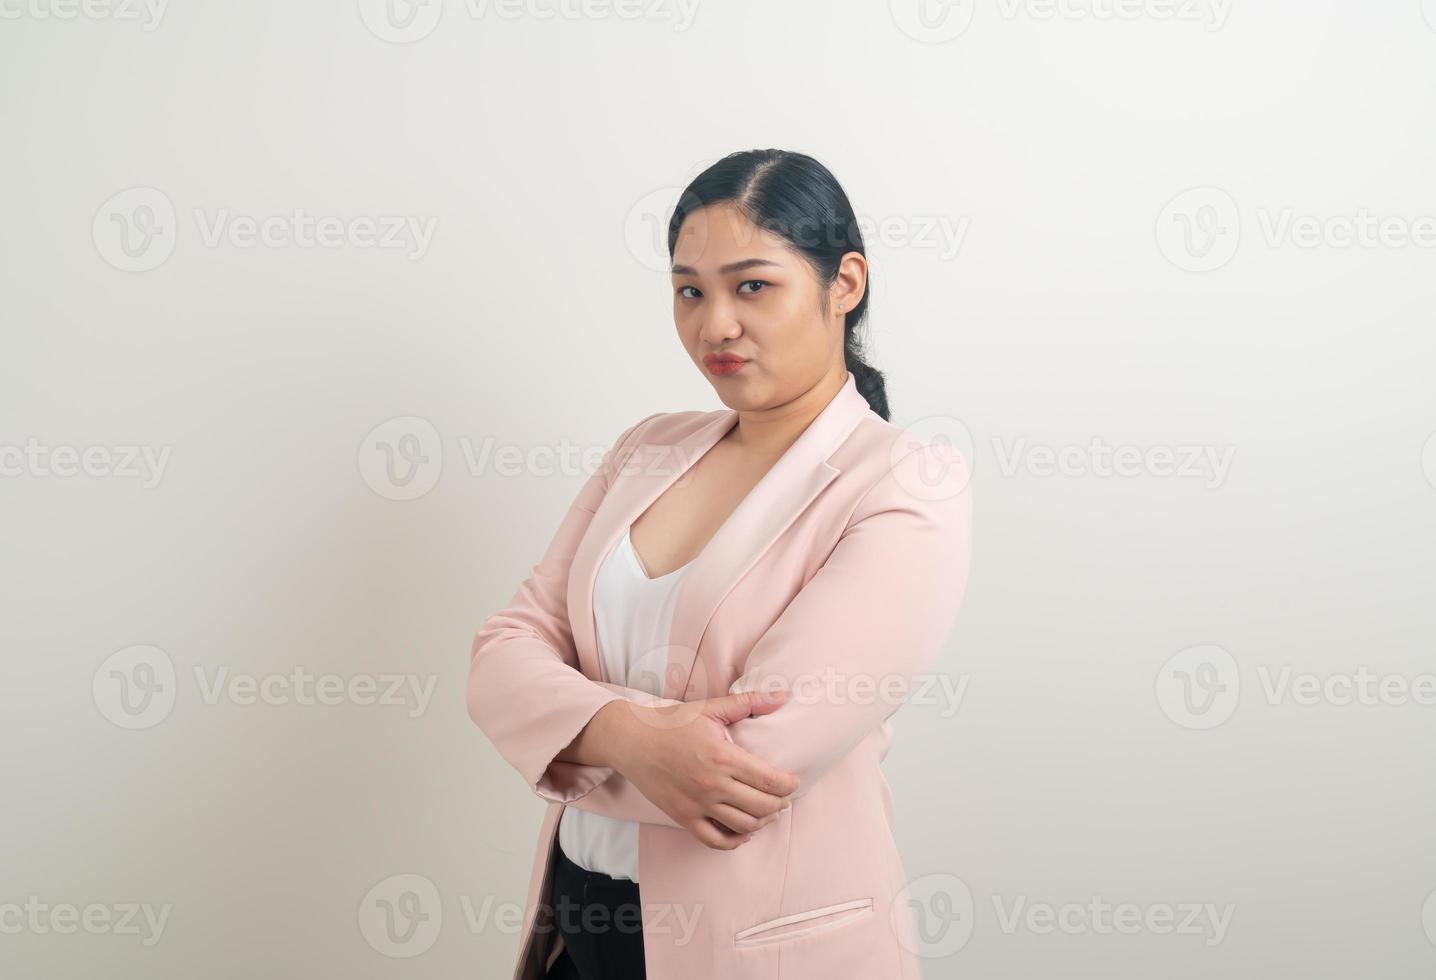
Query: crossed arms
<point x="869" y="621"/>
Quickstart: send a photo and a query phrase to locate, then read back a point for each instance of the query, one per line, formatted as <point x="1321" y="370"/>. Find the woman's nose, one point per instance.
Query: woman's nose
<point x="720" y="325"/>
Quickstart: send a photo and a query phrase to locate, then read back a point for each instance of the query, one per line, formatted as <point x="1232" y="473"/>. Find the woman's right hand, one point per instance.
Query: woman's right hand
<point x="682" y="759"/>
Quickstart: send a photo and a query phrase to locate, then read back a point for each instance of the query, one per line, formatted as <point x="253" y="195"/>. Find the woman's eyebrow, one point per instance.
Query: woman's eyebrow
<point x="684" y="270"/>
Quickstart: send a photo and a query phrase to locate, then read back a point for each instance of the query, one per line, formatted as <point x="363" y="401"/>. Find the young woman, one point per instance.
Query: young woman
<point x="698" y="674"/>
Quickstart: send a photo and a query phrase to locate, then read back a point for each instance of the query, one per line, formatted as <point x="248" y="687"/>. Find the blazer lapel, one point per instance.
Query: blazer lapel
<point x="764" y="514"/>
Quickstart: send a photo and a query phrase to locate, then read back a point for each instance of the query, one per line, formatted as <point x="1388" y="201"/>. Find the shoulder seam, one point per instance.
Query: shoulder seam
<point x="885" y="474"/>
<point x="633" y="431"/>
<point x="617" y="452"/>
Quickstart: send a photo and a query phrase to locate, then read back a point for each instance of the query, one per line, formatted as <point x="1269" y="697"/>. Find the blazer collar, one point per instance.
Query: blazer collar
<point x="765" y="513"/>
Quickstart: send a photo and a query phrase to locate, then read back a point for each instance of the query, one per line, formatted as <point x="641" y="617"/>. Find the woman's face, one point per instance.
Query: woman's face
<point x="738" y="289"/>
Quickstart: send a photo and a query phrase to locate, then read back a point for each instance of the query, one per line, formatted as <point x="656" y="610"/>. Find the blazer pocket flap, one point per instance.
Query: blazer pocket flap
<point x="802" y="923"/>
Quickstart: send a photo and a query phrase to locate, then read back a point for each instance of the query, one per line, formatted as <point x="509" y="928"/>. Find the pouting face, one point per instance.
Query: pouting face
<point x="742" y="290"/>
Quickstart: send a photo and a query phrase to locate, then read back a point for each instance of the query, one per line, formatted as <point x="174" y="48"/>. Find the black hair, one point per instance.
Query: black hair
<point x="795" y="197"/>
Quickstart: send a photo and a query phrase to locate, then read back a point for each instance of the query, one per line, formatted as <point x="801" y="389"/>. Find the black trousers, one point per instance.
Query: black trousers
<point x="601" y="922"/>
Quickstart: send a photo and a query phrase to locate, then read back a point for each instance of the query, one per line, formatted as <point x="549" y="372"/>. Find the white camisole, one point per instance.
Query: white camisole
<point x="632" y="614"/>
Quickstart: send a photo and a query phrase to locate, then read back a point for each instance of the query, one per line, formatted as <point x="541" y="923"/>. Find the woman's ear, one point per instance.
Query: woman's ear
<point x="849" y="283"/>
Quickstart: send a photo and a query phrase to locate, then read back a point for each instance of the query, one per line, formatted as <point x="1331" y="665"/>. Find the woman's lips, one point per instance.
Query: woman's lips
<point x="723" y="365"/>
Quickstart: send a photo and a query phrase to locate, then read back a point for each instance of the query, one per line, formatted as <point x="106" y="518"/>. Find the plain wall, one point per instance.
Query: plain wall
<point x="1042" y="278"/>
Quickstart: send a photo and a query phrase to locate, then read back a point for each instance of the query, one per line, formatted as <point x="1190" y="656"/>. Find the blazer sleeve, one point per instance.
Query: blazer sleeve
<point x="525" y="689"/>
<point x="849" y="645"/>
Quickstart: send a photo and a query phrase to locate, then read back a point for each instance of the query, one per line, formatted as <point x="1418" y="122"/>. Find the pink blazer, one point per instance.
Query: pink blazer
<point x="841" y="575"/>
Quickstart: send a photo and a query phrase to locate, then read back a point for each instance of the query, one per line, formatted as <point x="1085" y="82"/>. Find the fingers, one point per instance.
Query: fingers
<point x="728" y="825"/>
<point x="716" y="836"/>
<point x="754" y="802"/>
<point x="747" y="768"/>
<point x="763" y="704"/>
<point x="740" y="821"/>
<point x="744" y="704"/>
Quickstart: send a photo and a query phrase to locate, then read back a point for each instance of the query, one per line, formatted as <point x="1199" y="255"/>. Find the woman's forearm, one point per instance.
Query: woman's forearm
<point x="608" y="739"/>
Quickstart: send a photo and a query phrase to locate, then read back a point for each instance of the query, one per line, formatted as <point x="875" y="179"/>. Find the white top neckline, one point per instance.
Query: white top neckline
<point x="638" y="562"/>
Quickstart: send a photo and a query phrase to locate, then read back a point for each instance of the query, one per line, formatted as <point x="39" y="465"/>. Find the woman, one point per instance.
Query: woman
<point x="698" y="674"/>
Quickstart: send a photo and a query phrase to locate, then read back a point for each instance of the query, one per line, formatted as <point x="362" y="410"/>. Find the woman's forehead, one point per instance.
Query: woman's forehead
<point x="708" y="240"/>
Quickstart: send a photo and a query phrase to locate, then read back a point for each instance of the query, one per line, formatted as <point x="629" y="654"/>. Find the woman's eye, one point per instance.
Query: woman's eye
<point x="685" y="295"/>
<point x="751" y="282"/>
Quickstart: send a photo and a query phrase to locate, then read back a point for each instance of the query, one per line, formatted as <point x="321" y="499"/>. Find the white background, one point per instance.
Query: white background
<point x="540" y="151"/>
